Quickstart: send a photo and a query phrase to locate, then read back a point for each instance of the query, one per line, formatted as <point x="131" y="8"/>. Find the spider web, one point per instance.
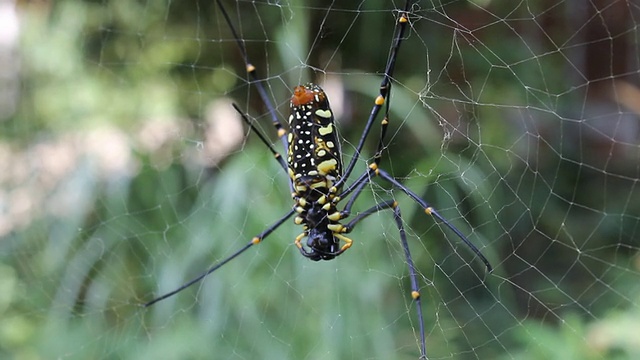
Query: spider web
<point x="127" y="173"/>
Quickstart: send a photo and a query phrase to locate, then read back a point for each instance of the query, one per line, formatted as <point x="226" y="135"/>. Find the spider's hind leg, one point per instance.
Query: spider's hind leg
<point x="429" y="210"/>
<point x="413" y="277"/>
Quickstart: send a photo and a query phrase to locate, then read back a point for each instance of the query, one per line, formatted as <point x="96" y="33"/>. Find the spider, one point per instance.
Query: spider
<point x="318" y="179"/>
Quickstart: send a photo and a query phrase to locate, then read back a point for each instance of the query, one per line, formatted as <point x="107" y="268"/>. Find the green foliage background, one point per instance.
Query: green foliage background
<point x="486" y="125"/>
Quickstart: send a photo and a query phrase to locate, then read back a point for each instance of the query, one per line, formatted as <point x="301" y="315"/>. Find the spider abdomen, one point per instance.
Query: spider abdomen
<point x="314" y="156"/>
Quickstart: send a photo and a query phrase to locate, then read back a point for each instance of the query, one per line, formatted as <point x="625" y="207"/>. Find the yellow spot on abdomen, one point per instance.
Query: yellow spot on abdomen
<point x="324" y="113"/>
<point x="319" y="184"/>
<point x="326" y="130"/>
<point x="327" y="166"/>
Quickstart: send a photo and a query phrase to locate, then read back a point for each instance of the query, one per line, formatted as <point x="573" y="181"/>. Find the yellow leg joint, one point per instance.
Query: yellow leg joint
<point x="428" y="210"/>
<point x="374" y="167"/>
<point x="282" y="132"/>
<point x="256" y="240"/>
<point x="379" y="100"/>
<point x="403" y="18"/>
<point x="347" y="242"/>
<point x="335" y="216"/>
<point x="250" y="68"/>
<point x="298" y="239"/>
<point x="415" y="295"/>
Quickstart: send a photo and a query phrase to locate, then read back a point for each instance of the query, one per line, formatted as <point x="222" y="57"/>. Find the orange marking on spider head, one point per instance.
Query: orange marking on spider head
<point x="301" y="96"/>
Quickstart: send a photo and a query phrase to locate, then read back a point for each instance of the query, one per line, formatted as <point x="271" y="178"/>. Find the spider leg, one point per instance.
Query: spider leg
<point x="429" y="210"/>
<point x="263" y="138"/>
<point x="415" y="293"/>
<point x="374" y="170"/>
<point x="255" y="80"/>
<point x="356" y="189"/>
<point x="254" y="241"/>
<point x="385" y="88"/>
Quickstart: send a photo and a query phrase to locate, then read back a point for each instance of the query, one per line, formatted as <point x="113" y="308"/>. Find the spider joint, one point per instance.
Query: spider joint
<point x="335" y="216"/>
<point x="347" y="242"/>
<point x="299" y="239"/>
<point x="374" y="167"/>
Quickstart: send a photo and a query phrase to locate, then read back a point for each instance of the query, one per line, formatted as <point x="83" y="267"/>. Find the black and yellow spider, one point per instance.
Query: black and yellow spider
<point x="318" y="179"/>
